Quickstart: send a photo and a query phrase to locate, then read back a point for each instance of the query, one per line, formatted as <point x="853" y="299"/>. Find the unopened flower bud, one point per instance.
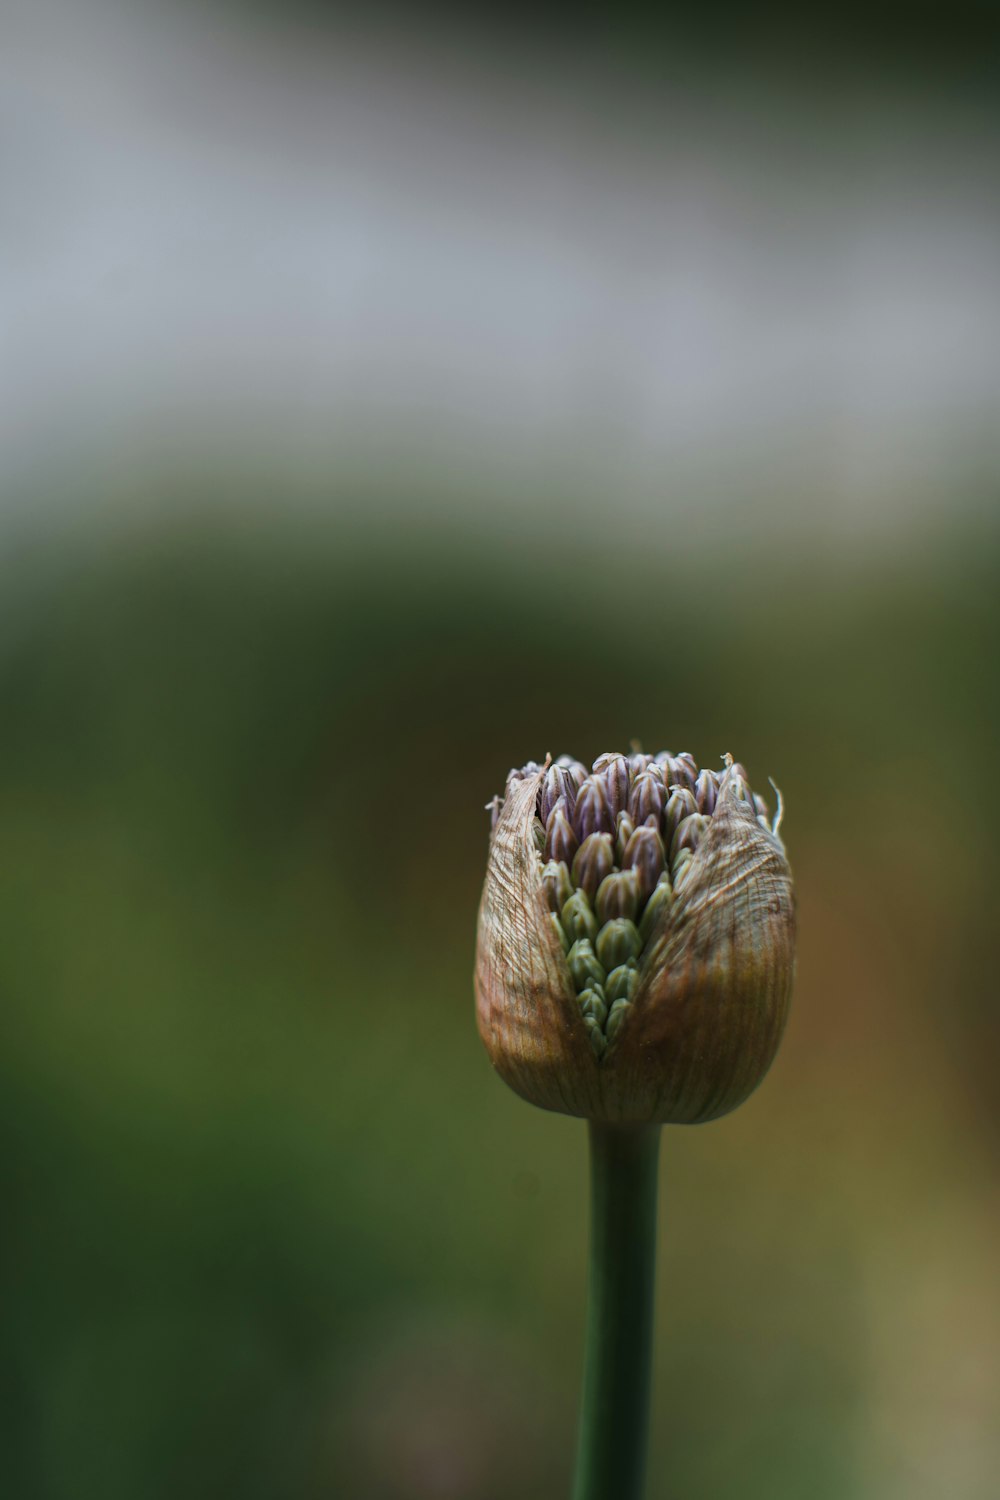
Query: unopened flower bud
<point x="689" y="835"/>
<point x="647" y="798"/>
<point x="583" y="965"/>
<point x="658" y="902"/>
<point x="557" y="885"/>
<point x="687" y="760"/>
<point x="680" y="804"/>
<point x="621" y="982"/>
<point x="561" y="842"/>
<point x="560" y="932"/>
<point x="595" y="858"/>
<point x="627" y="1001"/>
<point x="578" y="918"/>
<point x="557" y="783"/>
<point x="591" y="813"/>
<point x="619" y="895"/>
<point x="615" y="1018"/>
<point x="538" y="829"/>
<point x="574" y="768"/>
<point x="645" y="855"/>
<point x="596" y="1037"/>
<point x="614" y="772"/>
<point x="706" y="792"/>
<point x="617" y="942"/>
<point x="678" y="772"/>
<point x="592" y="1003"/>
<point x="625" y="829"/>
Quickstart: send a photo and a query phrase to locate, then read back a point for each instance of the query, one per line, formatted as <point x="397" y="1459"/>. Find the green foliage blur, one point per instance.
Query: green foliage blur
<point x="272" y="1227"/>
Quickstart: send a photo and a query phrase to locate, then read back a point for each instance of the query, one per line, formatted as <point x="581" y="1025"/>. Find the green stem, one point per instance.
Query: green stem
<point x="614" y="1410"/>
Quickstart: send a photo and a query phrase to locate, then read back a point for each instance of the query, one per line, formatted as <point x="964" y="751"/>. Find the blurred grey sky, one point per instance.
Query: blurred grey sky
<point x="719" y="300"/>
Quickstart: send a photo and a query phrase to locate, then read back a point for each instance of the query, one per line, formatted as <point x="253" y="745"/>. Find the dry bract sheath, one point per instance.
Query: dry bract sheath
<point x="635" y="950"/>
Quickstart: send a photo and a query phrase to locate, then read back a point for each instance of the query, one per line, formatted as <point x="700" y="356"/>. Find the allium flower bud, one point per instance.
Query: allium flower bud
<point x="577" y="918"/>
<point x="625" y="827"/>
<point x="553" y="787"/>
<point x="619" y="895"/>
<point x="617" y="942"/>
<point x="595" y="858"/>
<point x="647" y="798"/>
<point x="644" y="854"/>
<point x="646" y="993"/>
<point x="592" y="814"/>
<point x="680" y="804"/>
<point x="614" y="771"/>
<point x="558" y="886"/>
<point x="706" y="792"/>
<point x="681" y="770"/>
<point x="561" y="842"/>
<point x="583" y="965"/>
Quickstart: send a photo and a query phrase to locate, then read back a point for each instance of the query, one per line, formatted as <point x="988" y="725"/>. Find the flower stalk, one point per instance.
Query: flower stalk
<point x="614" y="1408"/>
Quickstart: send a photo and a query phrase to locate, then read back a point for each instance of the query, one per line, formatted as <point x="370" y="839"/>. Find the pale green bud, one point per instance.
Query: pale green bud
<point x="621" y="982"/>
<point x="619" y="895"/>
<point x="617" y="942"/>
<point x="583" y="965"/>
<point x="557" y="884"/>
<point x="578" y="918"/>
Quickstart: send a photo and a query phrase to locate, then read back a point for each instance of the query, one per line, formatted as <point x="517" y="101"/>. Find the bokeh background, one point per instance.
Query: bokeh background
<point x="387" y="399"/>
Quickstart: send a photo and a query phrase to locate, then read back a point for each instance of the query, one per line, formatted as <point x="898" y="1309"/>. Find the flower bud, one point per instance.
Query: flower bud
<point x="645" y="855"/>
<point x="592" y="1003"/>
<point x="619" y="895"/>
<point x="614" y="772"/>
<point x="557" y="783"/>
<point x="595" y="858"/>
<point x="574" y="768"/>
<point x="647" y="798"/>
<point x="686" y="768"/>
<point x="706" y="792"/>
<point x="591" y="813"/>
<point x="583" y="965"/>
<point x="578" y="918"/>
<point x="658" y="902"/>
<point x="680" y="804"/>
<point x="617" y="942"/>
<point x="689" y="834"/>
<point x="557" y="884"/>
<point x="621" y="982"/>
<point x="560" y="932"/>
<point x="625" y="829"/>
<point x="598" y="1040"/>
<point x="561" y="842"/>
<point x="615" y="1017"/>
<point x="607" y="987"/>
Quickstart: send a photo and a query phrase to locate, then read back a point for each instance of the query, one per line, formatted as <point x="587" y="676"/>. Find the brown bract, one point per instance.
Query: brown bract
<point x="714" y="984"/>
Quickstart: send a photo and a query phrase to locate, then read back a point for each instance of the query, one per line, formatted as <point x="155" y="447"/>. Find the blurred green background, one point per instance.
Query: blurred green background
<point x="287" y="588"/>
